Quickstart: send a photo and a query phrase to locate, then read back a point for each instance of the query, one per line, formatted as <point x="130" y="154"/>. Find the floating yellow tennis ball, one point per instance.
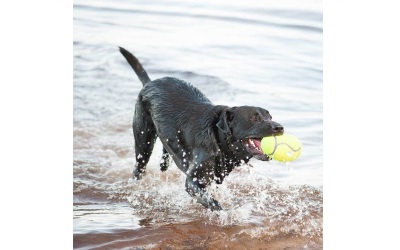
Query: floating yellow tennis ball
<point x="282" y="148"/>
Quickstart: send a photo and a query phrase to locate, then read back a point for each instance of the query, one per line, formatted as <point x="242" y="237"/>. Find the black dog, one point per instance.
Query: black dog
<point x="206" y="141"/>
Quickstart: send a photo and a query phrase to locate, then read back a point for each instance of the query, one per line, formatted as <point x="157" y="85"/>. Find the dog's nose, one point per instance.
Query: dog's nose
<point x="277" y="128"/>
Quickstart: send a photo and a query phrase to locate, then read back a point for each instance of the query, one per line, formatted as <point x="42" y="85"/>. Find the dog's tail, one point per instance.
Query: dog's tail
<point x="136" y="66"/>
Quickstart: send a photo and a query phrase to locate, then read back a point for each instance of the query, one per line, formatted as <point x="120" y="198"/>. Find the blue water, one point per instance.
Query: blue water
<point x="237" y="53"/>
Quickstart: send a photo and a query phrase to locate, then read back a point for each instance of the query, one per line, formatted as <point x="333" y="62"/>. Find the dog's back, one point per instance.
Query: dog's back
<point x="169" y="94"/>
<point x="179" y="110"/>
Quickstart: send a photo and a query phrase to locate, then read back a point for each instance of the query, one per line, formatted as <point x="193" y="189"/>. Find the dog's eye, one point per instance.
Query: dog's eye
<point x="256" y="117"/>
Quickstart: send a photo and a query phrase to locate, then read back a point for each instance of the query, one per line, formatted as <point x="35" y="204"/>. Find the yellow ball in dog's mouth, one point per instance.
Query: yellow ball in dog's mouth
<point x="282" y="148"/>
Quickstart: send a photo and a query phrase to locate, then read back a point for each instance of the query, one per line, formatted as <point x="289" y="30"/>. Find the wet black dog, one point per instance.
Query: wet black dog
<point x="205" y="141"/>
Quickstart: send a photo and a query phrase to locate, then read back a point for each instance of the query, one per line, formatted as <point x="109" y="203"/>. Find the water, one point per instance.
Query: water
<point x="237" y="53"/>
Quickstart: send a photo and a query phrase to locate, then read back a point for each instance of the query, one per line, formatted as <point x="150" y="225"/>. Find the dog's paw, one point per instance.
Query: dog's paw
<point x="165" y="162"/>
<point x="138" y="174"/>
<point x="214" y="205"/>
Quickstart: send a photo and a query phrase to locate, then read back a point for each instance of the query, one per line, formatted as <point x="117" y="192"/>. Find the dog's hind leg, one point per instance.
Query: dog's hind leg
<point x="164" y="164"/>
<point x="145" y="135"/>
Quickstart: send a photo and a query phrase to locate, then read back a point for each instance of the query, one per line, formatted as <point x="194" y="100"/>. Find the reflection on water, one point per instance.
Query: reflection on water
<point x="237" y="53"/>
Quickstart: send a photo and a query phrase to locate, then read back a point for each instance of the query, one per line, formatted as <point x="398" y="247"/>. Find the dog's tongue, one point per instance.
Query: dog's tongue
<point x="257" y="143"/>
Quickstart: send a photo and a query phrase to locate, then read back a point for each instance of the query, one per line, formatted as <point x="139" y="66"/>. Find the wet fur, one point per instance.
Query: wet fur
<point x="205" y="141"/>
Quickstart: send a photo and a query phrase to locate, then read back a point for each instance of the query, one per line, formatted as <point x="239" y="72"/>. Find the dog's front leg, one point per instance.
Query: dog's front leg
<point x="198" y="178"/>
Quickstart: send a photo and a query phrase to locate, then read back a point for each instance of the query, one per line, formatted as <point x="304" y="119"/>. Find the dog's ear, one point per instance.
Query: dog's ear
<point x="224" y="119"/>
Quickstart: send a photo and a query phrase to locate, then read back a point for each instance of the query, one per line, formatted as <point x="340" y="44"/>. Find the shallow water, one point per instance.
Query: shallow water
<point x="267" y="55"/>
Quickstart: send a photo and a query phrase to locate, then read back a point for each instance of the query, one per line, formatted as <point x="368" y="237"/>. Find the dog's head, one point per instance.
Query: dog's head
<point x="244" y="127"/>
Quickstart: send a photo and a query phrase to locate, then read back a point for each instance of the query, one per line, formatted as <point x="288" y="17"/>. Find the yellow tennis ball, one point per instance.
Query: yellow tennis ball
<point x="282" y="148"/>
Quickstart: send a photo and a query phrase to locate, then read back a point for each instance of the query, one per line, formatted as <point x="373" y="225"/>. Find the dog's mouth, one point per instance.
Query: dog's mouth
<point x="253" y="146"/>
